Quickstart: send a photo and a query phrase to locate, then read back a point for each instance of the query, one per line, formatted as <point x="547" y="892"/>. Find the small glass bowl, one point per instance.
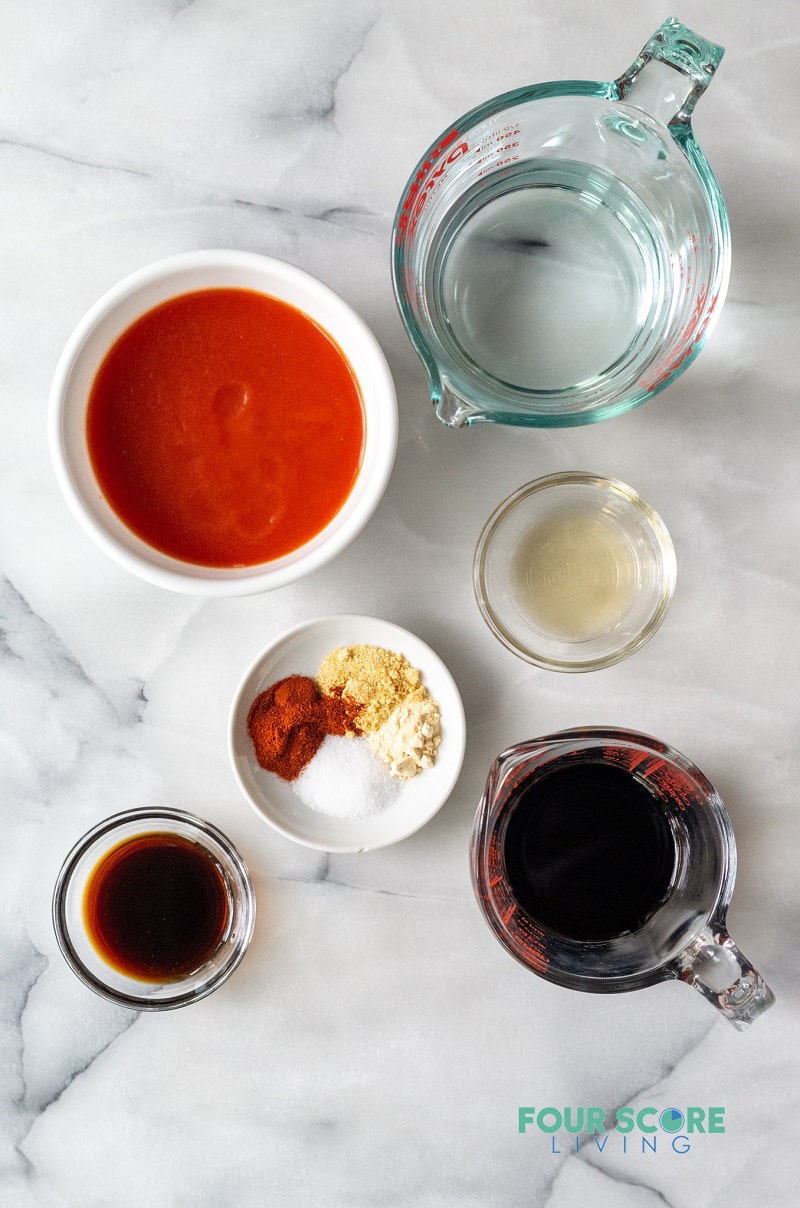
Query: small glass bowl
<point x="78" y="949"/>
<point x="574" y="572"/>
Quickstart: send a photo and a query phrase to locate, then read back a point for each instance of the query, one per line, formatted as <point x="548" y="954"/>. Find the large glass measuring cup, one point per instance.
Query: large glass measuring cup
<point x="562" y="252"/>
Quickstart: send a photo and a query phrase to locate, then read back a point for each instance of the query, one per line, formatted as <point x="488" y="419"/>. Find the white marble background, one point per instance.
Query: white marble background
<point x="375" y="1045"/>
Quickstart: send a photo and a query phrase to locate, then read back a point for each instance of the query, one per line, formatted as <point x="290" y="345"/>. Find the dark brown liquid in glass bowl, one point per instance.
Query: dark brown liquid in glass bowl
<point x="156" y="907"/>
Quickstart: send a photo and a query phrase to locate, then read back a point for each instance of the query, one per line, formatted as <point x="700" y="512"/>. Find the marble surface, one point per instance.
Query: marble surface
<point x="376" y="1043"/>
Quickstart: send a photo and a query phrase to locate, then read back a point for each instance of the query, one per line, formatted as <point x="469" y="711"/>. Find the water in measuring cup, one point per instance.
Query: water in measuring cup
<point x="548" y="277"/>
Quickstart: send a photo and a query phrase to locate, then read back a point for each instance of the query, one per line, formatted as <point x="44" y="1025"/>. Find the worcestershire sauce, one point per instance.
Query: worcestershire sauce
<point x="156" y="907"/>
<point x="588" y="851"/>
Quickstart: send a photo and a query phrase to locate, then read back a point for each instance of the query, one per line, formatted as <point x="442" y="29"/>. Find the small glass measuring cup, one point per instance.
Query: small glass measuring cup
<point x="561" y="253"/>
<point x="685" y="935"/>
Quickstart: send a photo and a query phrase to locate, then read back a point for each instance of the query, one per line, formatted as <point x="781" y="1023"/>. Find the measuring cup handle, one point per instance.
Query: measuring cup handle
<point x="715" y="966"/>
<point x="657" y="88"/>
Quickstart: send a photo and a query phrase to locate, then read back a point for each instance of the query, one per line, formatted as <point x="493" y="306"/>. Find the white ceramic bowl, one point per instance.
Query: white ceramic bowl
<point x="139" y="293"/>
<point x="299" y="651"/>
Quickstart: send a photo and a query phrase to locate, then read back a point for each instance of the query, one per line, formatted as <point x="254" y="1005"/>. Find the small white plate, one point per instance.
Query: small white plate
<point x="300" y="651"/>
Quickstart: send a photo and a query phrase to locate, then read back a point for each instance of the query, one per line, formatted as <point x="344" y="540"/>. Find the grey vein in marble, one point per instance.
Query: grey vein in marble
<point x="52" y="153"/>
<point x="51" y="709"/>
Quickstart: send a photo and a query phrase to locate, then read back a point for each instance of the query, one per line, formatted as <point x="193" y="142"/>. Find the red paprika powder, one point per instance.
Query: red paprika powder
<point x="289" y="721"/>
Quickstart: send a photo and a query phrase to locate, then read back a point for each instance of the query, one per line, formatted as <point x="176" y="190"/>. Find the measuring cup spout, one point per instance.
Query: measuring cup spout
<point x="671" y="73"/>
<point x="452" y="409"/>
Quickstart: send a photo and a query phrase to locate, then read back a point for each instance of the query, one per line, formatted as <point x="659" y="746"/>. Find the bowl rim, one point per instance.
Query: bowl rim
<point x="456" y="720"/>
<point x="598" y="662"/>
<point x="195" y="579"/>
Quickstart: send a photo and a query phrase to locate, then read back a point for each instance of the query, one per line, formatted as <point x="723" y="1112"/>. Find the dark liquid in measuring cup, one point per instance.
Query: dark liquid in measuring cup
<point x="156" y="907"/>
<point x="588" y="852"/>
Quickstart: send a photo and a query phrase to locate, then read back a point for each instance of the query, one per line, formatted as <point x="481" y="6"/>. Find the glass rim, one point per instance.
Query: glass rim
<point x="592" y="663"/>
<point x="244" y="892"/>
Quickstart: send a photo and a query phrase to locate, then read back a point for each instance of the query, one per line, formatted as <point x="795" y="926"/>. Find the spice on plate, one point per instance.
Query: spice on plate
<point x="378" y="679"/>
<point x="409" y="738"/>
<point x="345" y="779"/>
<point x="289" y="721"/>
<point x="399" y="717"/>
<point x="348" y="740"/>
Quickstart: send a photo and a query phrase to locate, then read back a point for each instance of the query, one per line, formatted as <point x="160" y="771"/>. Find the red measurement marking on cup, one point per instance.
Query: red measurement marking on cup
<point x="670" y="781"/>
<point x="654" y="767"/>
<point x="619" y="756"/>
<point x="691" y="337"/>
<point x="685" y="344"/>
<point x="634" y="764"/>
<point x="427" y="178"/>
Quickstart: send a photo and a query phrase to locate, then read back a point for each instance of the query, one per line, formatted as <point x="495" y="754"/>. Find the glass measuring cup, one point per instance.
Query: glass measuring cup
<point x="684" y="934"/>
<point x="561" y="253"/>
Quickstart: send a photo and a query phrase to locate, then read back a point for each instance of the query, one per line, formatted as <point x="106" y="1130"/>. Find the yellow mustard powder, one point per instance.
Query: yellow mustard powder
<point x="378" y="679"/>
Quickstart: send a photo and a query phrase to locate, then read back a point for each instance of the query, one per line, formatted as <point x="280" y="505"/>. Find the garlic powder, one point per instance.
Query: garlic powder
<point x="409" y="738"/>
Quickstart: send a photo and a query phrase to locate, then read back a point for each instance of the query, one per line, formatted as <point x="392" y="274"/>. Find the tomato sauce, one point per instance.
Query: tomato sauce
<point x="225" y="428"/>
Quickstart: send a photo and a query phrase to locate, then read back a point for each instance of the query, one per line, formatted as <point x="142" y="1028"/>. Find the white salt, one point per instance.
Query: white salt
<point x="346" y="779"/>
